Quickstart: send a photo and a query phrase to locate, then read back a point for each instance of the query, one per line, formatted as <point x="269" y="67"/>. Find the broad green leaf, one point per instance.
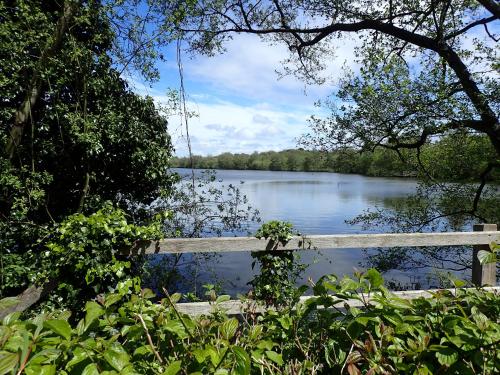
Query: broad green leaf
<point x="215" y="356"/>
<point x="286" y="322"/>
<point x="111" y="299"/>
<point x="223" y="298"/>
<point x="173" y="368"/>
<point x="117" y="357"/>
<point x="61" y="327"/>
<point x="242" y="361"/>
<point x="422" y="370"/>
<point x="11" y="318"/>
<point x="485" y="257"/>
<point x="48" y="370"/>
<point x="7" y="302"/>
<point x="200" y="355"/>
<point x="266" y="344"/>
<point x="93" y="311"/>
<point x="374" y="277"/>
<point x="447" y="356"/>
<point x="7" y="362"/>
<point x="148" y="293"/>
<point x="142" y="350"/>
<point x="90" y="369"/>
<point x="348" y="285"/>
<point x="229" y="328"/>
<point x="79" y="355"/>
<point x="45" y="356"/>
<point x="174" y="298"/>
<point x="275" y="357"/>
<point x="176" y="327"/>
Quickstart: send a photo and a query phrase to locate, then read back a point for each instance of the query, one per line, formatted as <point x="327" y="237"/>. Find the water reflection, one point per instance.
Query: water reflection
<point x="316" y="203"/>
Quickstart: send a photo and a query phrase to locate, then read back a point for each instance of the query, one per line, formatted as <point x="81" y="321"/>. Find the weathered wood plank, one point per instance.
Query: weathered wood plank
<point x="235" y="307"/>
<point x="336" y="241"/>
<point x="483" y="274"/>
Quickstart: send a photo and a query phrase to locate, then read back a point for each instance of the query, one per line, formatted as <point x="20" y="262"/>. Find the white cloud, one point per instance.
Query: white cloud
<point x="248" y="70"/>
<point x="229" y="127"/>
<point x="242" y="106"/>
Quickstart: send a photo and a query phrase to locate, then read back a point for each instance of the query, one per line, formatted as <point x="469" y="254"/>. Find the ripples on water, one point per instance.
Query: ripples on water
<point x="316" y="203"/>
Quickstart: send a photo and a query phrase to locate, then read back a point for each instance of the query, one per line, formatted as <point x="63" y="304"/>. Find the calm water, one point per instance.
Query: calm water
<point x="316" y="203"/>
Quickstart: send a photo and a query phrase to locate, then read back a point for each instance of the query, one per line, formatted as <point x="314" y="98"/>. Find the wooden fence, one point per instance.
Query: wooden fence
<point x="481" y="238"/>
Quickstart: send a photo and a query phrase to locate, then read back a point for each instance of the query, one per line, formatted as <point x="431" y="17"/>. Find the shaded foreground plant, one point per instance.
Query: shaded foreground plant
<point x="275" y="284"/>
<point x="338" y="330"/>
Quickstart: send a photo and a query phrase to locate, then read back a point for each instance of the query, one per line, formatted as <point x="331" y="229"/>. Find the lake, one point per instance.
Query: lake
<point x="316" y="203"/>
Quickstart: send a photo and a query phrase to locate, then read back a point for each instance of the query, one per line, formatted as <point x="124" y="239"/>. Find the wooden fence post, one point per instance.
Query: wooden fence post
<point x="483" y="274"/>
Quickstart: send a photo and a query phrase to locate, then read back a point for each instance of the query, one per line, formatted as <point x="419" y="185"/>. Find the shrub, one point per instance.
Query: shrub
<point x="335" y="331"/>
<point x="279" y="270"/>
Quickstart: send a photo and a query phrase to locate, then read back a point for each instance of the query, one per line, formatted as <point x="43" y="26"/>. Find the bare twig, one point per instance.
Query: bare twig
<point x="150" y="341"/>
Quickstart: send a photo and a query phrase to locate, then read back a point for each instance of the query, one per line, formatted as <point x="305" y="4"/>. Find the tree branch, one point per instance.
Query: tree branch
<point x="482" y="21"/>
<point x="492" y="6"/>
<point x="23" y="113"/>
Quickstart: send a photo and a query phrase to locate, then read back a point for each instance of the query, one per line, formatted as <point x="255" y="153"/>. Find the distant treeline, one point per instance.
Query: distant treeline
<point x="454" y="158"/>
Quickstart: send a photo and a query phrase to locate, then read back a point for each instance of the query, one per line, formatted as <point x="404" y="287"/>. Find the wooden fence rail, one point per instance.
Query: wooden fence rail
<point x="236" y="307"/>
<point x="481" y="238"/>
<point x="329" y="241"/>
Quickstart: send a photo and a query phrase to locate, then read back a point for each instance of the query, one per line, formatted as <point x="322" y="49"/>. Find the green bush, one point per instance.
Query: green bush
<point x="87" y="253"/>
<point x="275" y="284"/>
<point x="335" y="331"/>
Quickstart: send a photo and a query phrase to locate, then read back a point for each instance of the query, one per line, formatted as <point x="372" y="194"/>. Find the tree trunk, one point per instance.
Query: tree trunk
<point x="29" y="297"/>
<point x="23" y="113"/>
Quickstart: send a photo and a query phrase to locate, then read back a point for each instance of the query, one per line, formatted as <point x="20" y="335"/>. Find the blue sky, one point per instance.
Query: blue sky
<point x="241" y="104"/>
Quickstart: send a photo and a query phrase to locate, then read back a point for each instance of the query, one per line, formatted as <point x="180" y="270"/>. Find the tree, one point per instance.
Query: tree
<point x="73" y="134"/>
<point x="428" y="70"/>
<point x="73" y="137"/>
<point x="449" y="84"/>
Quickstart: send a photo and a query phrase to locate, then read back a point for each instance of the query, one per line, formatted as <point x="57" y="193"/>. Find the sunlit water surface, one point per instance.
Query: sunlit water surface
<point x="316" y="203"/>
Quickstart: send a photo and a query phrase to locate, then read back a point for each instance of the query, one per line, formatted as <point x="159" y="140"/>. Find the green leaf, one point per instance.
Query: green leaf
<point x="90" y="369"/>
<point x="61" y="327"/>
<point x="7" y="302"/>
<point x="223" y="298"/>
<point x="7" y="362"/>
<point x="200" y="355"/>
<point x="79" y="355"/>
<point x="485" y="257"/>
<point x="275" y="357"/>
<point x="93" y="311"/>
<point x="348" y="285"/>
<point x="117" y="357"/>
<point x="47" y="370"/>
<point x="266" y="344"/>
<point x="148" y="294"/>
<point x="242" y="361"/>
<point x="229" y="328"/>
<point x="111" y="299"/>
<point x="173" y="368"/>
<point x="447" y="356"/>
<point x="286" y="322"/>
<point x="422" y="370"/>
<point x="11" y="318"/>
<point x="374" y="277"/>
<point x="176" y="327"/>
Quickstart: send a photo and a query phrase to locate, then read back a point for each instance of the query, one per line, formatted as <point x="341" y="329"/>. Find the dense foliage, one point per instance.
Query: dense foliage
<point x="422" y="72"/>
<point x="84" y="136"/>
<point x="456" y="157"/>
<point x="279" y="270"/>
<point x="380" y="163"/>
<point x="335" y="331"/>
<point x="74" y="137"/>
